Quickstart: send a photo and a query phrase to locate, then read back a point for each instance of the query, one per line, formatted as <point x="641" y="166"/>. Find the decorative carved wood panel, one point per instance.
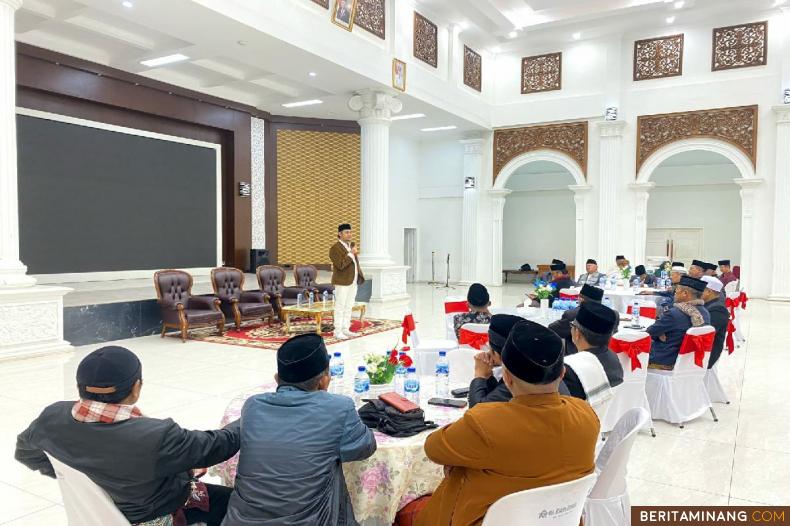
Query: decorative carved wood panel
<point x="473" y="69"/>
<point x="737" y="126"/>
<point x="541" y="73"/>
<point x="371" y="16"/>
<point x="322" y="3"/>
<point x="426" y="40"/>
<point x="569" y="138"/>
<point x="740" y="46"/>
<point x="657" y="58"/>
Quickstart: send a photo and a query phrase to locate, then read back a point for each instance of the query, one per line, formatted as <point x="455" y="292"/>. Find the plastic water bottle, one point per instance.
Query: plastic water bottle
<point x="361" y="384"/>
<point x="635" y="314"/>
<point x="412" y="385"/>
<point x="325" y="297"/>
<point x="442" y="375"/>
<point x="310" y="300"/>
<point x="607" y="302"/>
<point x="400" y="376"/>
<point x="337" y="369"/>
<point x="299" y="299"/>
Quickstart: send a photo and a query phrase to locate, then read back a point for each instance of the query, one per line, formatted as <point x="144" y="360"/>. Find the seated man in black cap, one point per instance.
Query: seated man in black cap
<point x="622" y="264"/>
<point x="537" y="439"/>
<point x="668" y="331"/>
<point x="294" y="442"/>
<point x="710" y="269"/>
<point x="727" y="275"/>
<point x="559" y="279"/>
<point x="563" y="326"/>
<point x="697" y="269"/>
<point x="591" y="331"/>
<point x="485" y="387"/>
<point x="642" y="278"/>
<point x="591" y="276"/>
<point x="142" y="463"/>
<point x="478" y="300"/>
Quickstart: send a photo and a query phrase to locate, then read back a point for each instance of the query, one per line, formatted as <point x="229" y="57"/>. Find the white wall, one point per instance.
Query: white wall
<point x="537" y="227"/>
<point x="403" y="184"/>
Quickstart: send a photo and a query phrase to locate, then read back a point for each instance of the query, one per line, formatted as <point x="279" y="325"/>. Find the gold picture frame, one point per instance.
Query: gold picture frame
<point x="344" y="18"/>
<point x="398" y="74"/>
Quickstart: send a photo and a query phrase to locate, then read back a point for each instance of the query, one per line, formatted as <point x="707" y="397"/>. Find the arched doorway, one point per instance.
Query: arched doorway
<point x="551" y="171"/>
<point x="703" y="189"/>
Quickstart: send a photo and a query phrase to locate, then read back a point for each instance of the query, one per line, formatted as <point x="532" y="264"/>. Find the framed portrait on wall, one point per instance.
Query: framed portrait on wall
<point x="343" y="13"/>
<point x="398" y="74"/>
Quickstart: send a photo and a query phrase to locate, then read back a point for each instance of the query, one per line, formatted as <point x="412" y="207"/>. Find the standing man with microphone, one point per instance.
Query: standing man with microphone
<point x="346" y="274"/>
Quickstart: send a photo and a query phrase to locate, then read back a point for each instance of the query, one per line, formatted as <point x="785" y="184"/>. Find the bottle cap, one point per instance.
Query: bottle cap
<point x="412" y="369"/>
<point x="361" y="368"/>
<point x="442" y="353"/>
<point x="337" y="355"/>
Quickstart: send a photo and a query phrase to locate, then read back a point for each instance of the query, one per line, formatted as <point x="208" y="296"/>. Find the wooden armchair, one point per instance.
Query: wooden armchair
<point x="305" y="276"/>
<point x="271" y="280"/>
<point x="180" y="309"/>
<point x="228" y="286"/>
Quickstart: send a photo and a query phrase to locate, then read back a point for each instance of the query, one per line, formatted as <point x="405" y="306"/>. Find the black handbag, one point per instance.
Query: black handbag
<point x="386" y="419"/>
<point x="526" y="267"/>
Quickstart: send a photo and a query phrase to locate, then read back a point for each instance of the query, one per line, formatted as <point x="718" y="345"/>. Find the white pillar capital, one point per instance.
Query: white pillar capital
<point x="473" y="146"/>
<point x="611" y="128"/>
<point x="782" y="113"/>
<point x="374" y="105"/>
<point x="13" y="4"/>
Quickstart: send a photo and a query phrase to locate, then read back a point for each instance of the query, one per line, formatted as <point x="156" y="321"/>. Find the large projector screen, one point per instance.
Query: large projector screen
<point x="100" y="198"/>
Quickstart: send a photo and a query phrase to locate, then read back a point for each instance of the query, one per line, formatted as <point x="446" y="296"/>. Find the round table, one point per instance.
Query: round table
<point x="396" y="474"/>
<point x="552" y="315"/>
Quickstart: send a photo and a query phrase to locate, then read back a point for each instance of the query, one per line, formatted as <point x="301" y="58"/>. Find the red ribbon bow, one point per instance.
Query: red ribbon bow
<point x="731" y="304"/>
<point x="632" y="349"/>
<point x="699" y="345"/>
<point x="472" y="339"/>
<point x="408" y="326"/>
<point x="451" y="307"/>
<point x="743" y="298"/>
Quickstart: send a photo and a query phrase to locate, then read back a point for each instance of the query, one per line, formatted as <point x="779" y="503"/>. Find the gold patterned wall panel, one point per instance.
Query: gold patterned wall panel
<point x="318" y="187"/>
<point x="569" y="138"/>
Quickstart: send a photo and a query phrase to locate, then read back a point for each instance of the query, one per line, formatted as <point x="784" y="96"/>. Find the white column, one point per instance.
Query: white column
<point x="780" y="288"/>
<point x="473" y="171"/>
<point x="497" y="212"/>
<point x="31" y="317"/>
<point x="375" y="110"/>
<point x="12" y="271"/>
<point x="642" y="191"/>
<point x="580" y="193"/>
<point x="610" y="175"/>
<point x="748" y="186"/>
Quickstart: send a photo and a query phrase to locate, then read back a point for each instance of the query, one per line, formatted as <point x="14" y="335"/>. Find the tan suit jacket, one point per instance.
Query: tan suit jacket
<point x="343" y="266"/>
<point x="500" y="448"/>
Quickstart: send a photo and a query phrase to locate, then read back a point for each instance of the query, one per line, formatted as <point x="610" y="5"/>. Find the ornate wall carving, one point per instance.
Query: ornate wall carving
<point x="426" y="36"/>
<point x="371" y="16"/>
<point x="258" y="183"/>
<point x="657" y="58"/>
<point x="25" y="323"/>
<point x="308" y="208"/>
<point x="541" y="73"/>
<point x="322" y="3"/>
<point x="737" y="126"/>
<point x="741" y="46"/>
<point x="569" y="138"/>
<point x="473" y="69"/>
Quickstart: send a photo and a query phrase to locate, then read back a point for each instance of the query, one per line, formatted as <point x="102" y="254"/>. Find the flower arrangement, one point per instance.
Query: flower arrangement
<point x="626" y="272"/>
<point x="381" y="367"/>
<point x="543" y="290"/>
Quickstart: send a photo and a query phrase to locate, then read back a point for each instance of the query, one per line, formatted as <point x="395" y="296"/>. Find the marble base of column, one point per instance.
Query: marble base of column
<point x="388" y="282"/>
<point x="31" y="322"/>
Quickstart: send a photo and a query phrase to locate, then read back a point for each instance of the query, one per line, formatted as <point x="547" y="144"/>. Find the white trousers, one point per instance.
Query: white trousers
<point x="344" y="302"/>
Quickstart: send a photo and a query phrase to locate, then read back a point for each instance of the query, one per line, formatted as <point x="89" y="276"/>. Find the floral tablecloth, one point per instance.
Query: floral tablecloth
<point x="397" y="473"/>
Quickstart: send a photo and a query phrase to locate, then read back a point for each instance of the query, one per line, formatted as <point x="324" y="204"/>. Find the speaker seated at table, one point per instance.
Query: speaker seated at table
<point x="180" y="309"/>
<point x="306" y="275"/>
<point x="228" y="283"/>
<point x="271" y="280"/>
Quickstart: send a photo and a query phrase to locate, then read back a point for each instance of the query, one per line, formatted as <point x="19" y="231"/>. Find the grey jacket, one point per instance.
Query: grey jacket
<point x="293" y="444"/>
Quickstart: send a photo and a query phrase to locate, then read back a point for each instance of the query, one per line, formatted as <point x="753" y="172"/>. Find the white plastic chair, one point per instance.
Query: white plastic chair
<point x="426" y="352"/>
<point x="453" y="305"/>
<point x="679" y="396"/>
<point x="556" y="505"/>
<point x="631" y="393"/>
<point x="713" y="385"/>
<point x="608" y="503"/>
<point x="503" y="310"/>
<point x="85" y="502"/>
<point x="647" y="308"/>
<point x="462" y="360"/>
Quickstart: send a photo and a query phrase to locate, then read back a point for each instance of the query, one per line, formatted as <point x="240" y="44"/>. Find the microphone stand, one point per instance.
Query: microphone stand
<point x="433" y="271"/>
<point x="447" y="276"/>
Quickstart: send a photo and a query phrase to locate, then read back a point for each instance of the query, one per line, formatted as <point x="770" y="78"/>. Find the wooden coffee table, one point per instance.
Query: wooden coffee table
<point x="317" y="312"/>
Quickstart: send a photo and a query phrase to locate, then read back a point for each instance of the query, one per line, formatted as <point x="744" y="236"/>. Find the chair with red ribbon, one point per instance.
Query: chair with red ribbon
<point x="453" y="305"/>
<point x="425" y="351"/>
<point x="473" y="335"/>
<point x="647" y="309"/>
<point x="569" y="294"/>
<point x="679" y="396"/>
<point x="633" y="351"/>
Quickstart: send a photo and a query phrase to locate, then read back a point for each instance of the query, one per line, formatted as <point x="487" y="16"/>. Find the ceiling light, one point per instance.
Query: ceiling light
<point x="242" y="42"/>
<point x="312" y="73"/>
<point x="439" y="128"/>
<point x="512" y="34"/>
<point x="127" y="4"/>
<point x="679" y="4"/>
<point x="576" y="36"/>
<point x="302" y="103"/>
<point x="670" y="19"/>
<point x="408" y="117"/>
<point x="161" y="61"/>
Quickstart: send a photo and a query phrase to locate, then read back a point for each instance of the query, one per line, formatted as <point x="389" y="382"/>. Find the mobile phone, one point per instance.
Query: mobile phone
<point x="461" y="392"/>
<point x="447" y="402"/>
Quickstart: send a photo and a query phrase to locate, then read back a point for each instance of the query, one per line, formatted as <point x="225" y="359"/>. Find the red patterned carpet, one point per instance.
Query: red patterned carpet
<point x="271" y="337"/>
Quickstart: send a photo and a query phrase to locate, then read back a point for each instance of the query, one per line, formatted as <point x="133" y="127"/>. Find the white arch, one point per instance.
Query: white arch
<point x="725" y="149"/>
<point x="552" y="156"/>
<point x="747" y="182"/>
<point x="499" y="192"/>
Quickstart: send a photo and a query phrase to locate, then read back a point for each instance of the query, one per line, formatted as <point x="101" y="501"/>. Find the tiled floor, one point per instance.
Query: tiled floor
<point x="743" y="459"/>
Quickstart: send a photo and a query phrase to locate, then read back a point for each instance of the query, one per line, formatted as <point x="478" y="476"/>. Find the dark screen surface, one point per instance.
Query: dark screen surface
<point x="93" y="200"/>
